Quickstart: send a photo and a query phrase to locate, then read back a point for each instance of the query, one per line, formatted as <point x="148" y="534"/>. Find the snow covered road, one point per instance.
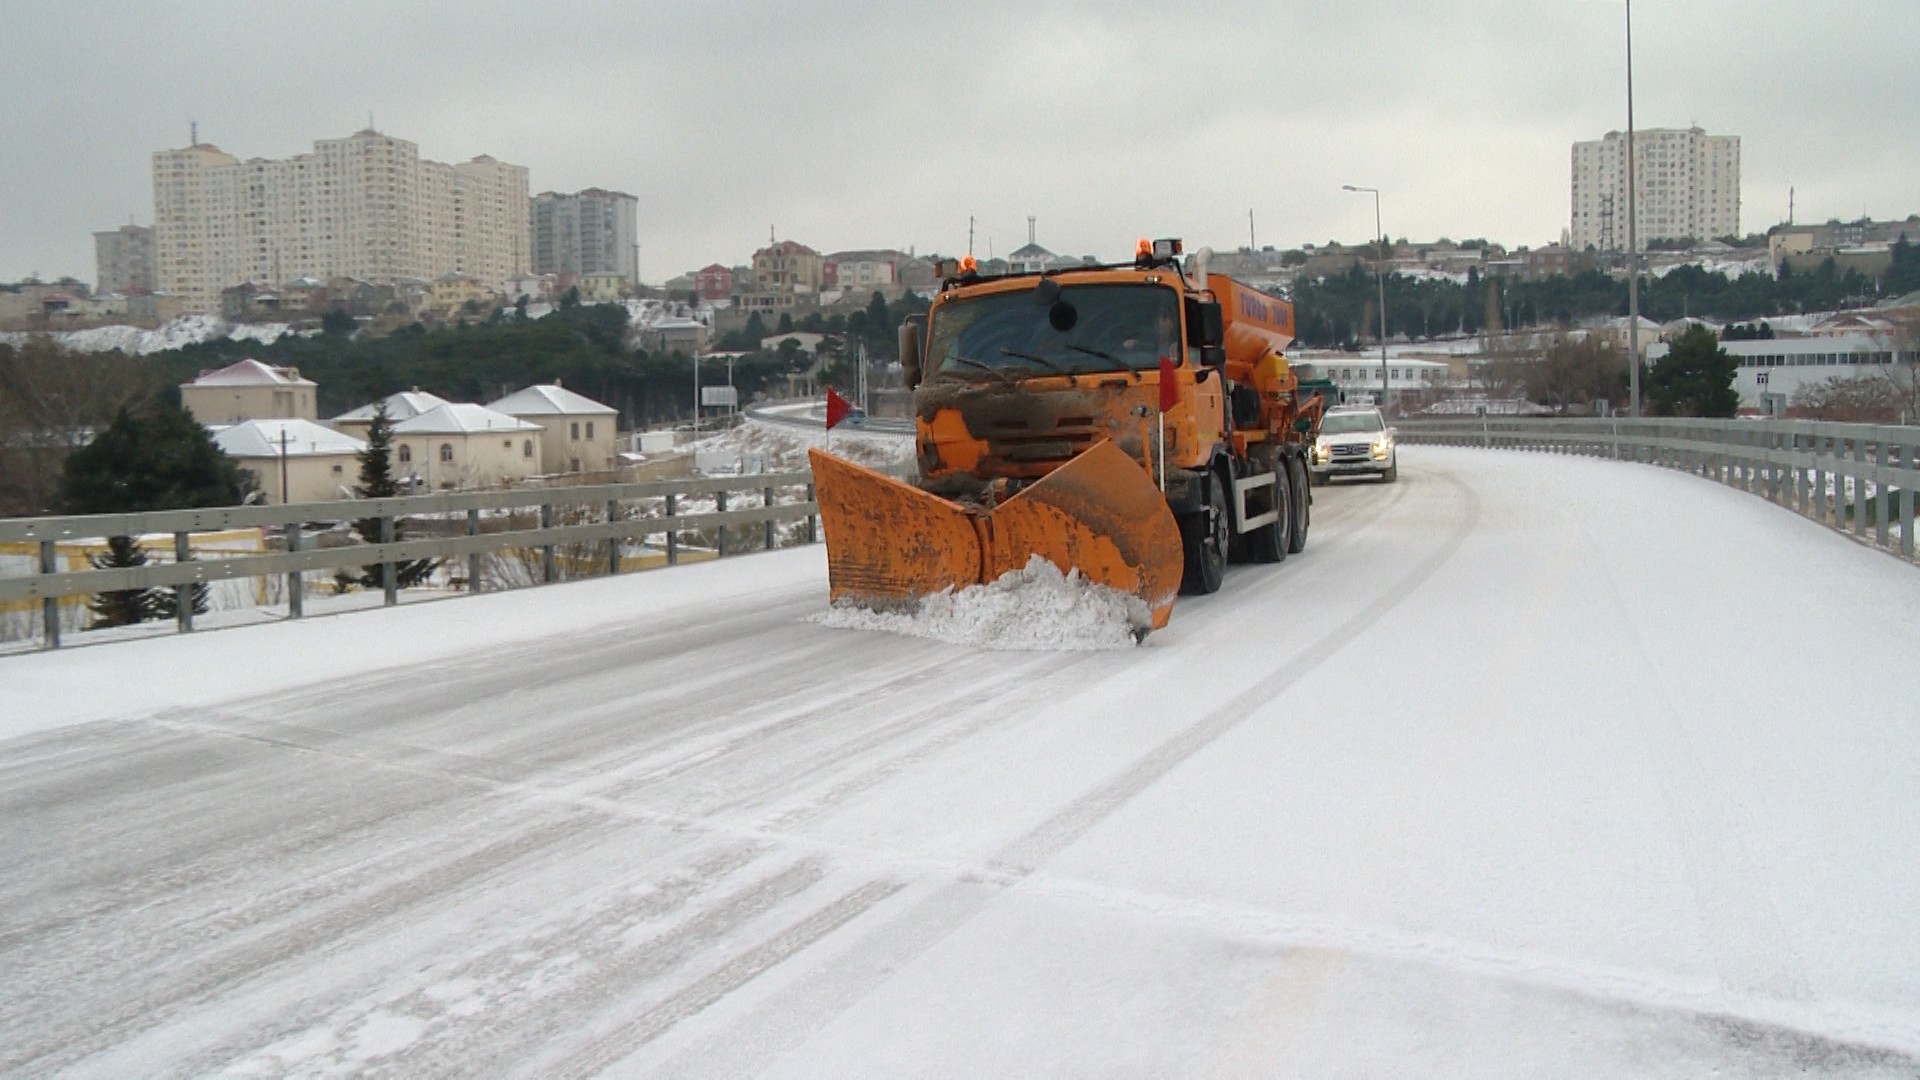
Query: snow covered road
<point x="1528" y="766"/>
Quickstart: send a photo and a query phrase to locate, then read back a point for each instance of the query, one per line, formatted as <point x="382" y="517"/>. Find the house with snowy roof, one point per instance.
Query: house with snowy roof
<point x="674" y="333"/>
<point x="293" y="460"/>
<point x="404" y="405"/>
<point x="452" y="447"/>
<point x="249" y="390"/>
<point x="579" y="433"/>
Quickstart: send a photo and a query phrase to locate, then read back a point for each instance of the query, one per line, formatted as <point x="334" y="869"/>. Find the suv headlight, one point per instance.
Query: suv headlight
<point x="1380" y="448"/>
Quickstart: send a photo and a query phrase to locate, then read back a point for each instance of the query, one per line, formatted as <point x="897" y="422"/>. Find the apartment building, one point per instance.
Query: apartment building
<point x="589" y="232"/>
<point x="123" y="260"/>
<point x="366" y="206"/>
<point x="1688" y="185"/>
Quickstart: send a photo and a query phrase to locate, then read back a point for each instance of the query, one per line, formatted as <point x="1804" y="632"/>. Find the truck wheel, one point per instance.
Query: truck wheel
<point x="1268" y="543"/>
<point x="1302" y="507"/>
<point x="1204" y="536"/>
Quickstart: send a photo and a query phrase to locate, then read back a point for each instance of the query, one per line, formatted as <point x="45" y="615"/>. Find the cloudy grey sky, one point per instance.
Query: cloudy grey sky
<point x="848" y="125"/>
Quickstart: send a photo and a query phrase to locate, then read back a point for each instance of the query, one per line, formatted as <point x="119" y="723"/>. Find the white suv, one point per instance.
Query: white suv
<point x="1354" y="441"/>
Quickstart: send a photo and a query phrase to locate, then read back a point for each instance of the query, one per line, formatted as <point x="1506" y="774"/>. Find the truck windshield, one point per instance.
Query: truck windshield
<point x="1088" y="328"/>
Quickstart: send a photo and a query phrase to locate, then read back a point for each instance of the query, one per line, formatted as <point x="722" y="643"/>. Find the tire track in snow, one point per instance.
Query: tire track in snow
<point x="1064" y="828"/>
<point x="239" y="947"/>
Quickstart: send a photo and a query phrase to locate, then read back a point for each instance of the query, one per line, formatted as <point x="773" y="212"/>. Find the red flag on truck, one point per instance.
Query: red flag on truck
<point x="1169" y="385"/>
<point x="837" y="407"/>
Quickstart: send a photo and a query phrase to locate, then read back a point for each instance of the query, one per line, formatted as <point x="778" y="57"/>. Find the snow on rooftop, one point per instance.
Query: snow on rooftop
<point x="303" y="438"/>
<point x="461" y="419"/>
<point x="549" y="399"/>
<point x="401" y="406"/>
<point x="251" y="372"/>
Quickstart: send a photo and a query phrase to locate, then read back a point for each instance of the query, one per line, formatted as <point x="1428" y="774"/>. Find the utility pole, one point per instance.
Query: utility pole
<point x="1252" y="244"/>
<point x="1633" y="243"/>
<point x="283" y="467"/>
<point x="1380" y="275"/>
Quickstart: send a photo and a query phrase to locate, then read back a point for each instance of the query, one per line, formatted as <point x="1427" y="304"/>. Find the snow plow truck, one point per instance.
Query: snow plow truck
<point x="1136" y="422"/>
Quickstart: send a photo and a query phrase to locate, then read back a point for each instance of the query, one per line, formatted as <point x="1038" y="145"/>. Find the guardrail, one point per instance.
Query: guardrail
<point x="1847" y="476"/>
<point x="604" y="518"/>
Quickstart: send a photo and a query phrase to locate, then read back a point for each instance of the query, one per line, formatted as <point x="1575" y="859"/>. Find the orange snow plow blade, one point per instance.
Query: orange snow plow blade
<point x="889" y="543"/>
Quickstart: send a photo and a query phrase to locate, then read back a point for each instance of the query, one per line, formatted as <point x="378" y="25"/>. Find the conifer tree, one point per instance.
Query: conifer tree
<point x="154" y="458"/>
<point x="377" y="482"/>
<point x="121" y="607"/>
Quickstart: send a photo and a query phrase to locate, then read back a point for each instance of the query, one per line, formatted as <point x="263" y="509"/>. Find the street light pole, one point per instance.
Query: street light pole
<point x="1633" y="243"/>
<point x="1380" y="275"/>
<point x="696" y="397"/>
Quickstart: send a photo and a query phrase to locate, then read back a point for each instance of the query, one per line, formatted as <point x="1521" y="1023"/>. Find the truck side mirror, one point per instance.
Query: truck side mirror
<point x="1206" y="327"/>
<point x="910" y="349"/>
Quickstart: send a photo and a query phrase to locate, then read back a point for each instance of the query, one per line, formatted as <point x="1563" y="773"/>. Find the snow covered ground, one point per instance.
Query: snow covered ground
<point x="1528" y="766"/>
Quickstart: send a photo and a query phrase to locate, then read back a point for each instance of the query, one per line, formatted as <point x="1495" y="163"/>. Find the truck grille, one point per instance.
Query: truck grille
<point x="1014" y="440"/>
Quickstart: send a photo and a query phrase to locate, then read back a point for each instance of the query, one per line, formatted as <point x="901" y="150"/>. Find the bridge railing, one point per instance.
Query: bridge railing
<point x="1859" y="479"/>
<point x="485" y="540"/>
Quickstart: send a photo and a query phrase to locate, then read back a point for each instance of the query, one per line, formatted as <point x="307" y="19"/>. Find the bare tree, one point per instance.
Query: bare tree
<point x="1572" y="373"/>
<point x="52" y="399"/>
<point x="1860" y="399"/>
<point x="1901" y="338"/>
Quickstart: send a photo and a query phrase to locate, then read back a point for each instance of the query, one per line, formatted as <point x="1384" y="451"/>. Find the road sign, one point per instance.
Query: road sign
<point x="719" y="397"/>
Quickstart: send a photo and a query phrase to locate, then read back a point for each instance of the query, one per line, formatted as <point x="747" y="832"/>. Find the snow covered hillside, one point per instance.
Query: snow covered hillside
<point x="1528" y="766"/>
<point x="185" y="330"/>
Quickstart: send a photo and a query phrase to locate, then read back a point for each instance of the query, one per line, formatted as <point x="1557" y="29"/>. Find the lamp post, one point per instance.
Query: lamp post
<point x="1633" y="244"/>
<point x="1380" y="275"/>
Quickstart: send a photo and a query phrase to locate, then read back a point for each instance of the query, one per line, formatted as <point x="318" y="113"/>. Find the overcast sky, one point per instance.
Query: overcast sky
<point x="846" y="125"/>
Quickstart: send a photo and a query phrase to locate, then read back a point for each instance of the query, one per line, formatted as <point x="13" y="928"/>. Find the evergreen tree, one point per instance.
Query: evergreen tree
<point x="123" y="607"/>
<point x="1695" y="378"/>
<point x="377" y="482"/>
<point x="338" y="323"/>
<point x="155" y="458"/>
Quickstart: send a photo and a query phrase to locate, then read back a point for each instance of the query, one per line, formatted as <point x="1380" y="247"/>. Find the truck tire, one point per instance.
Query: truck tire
<point x="1204" y="536"/>
<point x="1302" y="506"/>
<point x="1268" y="543"/>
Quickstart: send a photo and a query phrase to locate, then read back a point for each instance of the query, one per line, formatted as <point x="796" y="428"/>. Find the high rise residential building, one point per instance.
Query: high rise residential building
<point x="589" y="232"/>
<point x="1688" y="186"/>
<point x="123" y="260"/>
<point x="366" y="206"/>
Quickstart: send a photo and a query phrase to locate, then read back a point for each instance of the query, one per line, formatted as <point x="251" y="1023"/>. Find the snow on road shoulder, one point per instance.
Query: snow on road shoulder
<point x="1036" y="608"/>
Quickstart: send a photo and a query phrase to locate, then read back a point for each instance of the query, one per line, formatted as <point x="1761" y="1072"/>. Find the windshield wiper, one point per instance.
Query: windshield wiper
<point x="982" y="365"/>
<point x="1041" y="360"/>
<point x="1101" y="353"/>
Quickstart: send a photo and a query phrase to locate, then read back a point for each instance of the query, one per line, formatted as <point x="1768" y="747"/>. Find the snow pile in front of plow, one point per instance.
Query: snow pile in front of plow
<point x="1036" y="608"/>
